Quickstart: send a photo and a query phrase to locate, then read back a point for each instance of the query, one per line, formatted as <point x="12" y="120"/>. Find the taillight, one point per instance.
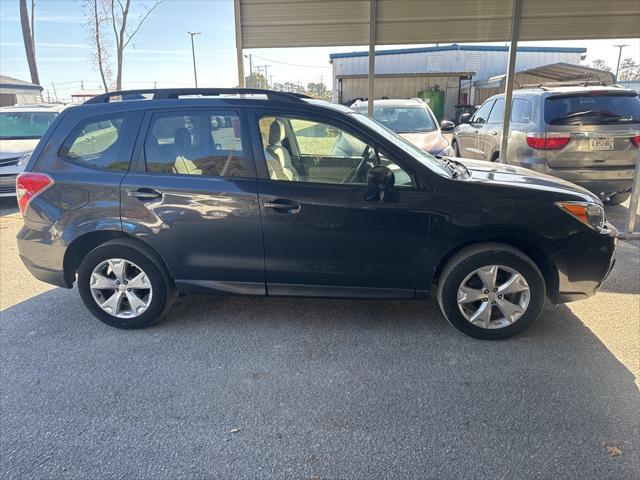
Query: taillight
<point x="548" y="141"/>
<point x="636" y="140"/>
<point x="28" y="186"/>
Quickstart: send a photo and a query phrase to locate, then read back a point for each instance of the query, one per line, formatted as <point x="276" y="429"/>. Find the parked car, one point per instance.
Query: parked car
<point x="587" y="135"/>
<point x="21" y="127"/>
<point x="413" y="120"/>
<point x="137" y="201"/>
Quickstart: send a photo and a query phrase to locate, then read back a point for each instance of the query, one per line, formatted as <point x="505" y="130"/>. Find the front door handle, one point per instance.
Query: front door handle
<point x="494" y="132"/>
<point x="283" y="206"/>
<point x="145" y="193"/>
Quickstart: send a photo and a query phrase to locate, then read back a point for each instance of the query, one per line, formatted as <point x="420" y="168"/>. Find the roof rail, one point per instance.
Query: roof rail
<point x="174" y="93"/>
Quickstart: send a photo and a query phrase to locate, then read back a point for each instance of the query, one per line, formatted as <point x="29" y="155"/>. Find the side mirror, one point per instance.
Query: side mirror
<point x="447" y="126"/>
<point x="380" y="179"/>
<point x="465" y="117"/>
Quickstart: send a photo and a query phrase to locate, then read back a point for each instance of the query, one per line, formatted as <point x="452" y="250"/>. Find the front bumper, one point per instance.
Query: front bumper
<point x="584" y="264"/>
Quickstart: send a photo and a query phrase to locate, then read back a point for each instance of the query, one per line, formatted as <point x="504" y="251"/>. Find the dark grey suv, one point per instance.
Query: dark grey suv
<point x="254" y="192"/>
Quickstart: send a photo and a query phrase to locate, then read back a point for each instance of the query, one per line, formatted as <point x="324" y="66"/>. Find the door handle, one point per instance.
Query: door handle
<point x="283" y="206"/>
<point x="145" y="193"/>
<point x="494" y="132"/>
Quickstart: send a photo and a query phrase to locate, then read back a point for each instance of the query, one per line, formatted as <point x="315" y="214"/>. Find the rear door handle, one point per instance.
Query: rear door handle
<point x="145" y="193"/>
<point x="494" y="132"/>
<point x="283" y="206"/>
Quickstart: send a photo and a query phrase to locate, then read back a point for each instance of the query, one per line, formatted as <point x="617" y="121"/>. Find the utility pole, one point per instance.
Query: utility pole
<point x="251" y="85"/>
<point x="55" y="95"/>
<point x="619" y="47"/>
<point x="193" y="54"/>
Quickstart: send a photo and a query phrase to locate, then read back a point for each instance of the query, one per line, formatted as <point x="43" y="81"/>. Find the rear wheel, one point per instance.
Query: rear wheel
<point x="124" y="285"/>
<point x="491" y="291"/>
<point x="618" y="198"/>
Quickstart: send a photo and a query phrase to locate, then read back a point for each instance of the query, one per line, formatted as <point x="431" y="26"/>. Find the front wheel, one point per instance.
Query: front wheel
<point x="491" y="291"/>
<point x="124" y="285"/>
<point x="456" y="149"/>
<point x="618" y="198"/>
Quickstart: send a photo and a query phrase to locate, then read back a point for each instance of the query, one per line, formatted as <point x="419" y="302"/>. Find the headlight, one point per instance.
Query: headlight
<point x="24" y="158"/>
<point x="447" y="152"/>
<point x="590" y="214"/>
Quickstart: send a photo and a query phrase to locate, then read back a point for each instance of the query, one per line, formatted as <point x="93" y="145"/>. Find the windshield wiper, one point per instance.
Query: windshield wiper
<point x="585" y="113"/>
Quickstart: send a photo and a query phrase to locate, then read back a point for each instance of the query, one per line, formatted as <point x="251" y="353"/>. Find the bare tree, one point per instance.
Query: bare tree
<point x="98" y="16"/>
<point x="28" y="37"/>
<point x="600" y="64"/>
<point x="124" y="36"/>
<point x="629" y="70"/>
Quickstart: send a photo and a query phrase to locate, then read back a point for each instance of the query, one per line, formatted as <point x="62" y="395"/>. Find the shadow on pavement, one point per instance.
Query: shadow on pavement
<point x="327" y="388"/>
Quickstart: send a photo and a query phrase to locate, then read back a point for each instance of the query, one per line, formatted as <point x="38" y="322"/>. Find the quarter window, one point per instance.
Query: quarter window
<point x="301" y="150"/>
<point x="195" y="143"/>
<point x="100" y="143"/>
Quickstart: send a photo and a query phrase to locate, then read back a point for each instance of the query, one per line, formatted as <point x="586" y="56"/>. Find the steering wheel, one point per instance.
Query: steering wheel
<point x="359" y="174"/>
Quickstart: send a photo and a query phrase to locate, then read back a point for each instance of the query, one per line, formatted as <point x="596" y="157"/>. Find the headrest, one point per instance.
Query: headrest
<point x="276" y="132"/>
<point x="182" y="138"/>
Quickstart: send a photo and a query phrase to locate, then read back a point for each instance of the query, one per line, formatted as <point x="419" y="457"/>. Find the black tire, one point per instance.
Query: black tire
<point x="456" y="149"/>
<point x="146" y="259"/>
<point x="618" y="198"/>
<point x="471" y="258"/>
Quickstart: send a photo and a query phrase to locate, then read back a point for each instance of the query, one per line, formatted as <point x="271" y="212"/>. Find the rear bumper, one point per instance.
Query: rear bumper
<point x="598" y="181"/>
<point x="584" y="264"/>
<point x="52" y="276"/>
<point x="42" y="258"/>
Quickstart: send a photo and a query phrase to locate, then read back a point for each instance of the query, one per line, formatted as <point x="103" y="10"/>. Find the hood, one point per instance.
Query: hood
<point x="15" y="148"/>
<point x="430" y="142"/>
<point x="509" y="175"/>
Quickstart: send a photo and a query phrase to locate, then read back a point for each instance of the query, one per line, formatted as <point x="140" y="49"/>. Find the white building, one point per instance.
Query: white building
<point x="401" y="73"/>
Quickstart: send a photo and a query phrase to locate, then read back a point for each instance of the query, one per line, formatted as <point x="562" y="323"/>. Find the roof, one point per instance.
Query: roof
<point x="564" y="90"/>
<point x="555" y="72"/>
<point x="10" y="82"/>
<point x="456" y="47"/>
<point x="392" y="102"/>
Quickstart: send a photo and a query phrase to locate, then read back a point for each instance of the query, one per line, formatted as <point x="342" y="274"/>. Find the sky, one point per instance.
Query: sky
<point x="161" y="52"/>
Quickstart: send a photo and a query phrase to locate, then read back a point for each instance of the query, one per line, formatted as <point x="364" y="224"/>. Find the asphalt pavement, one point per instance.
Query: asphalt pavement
<point x="256" y="388"/>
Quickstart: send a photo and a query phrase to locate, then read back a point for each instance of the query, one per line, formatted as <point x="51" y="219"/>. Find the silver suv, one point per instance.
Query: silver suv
<point x="587" y="135"/>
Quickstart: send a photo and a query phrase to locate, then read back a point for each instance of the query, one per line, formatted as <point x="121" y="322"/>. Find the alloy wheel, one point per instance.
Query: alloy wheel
<point x="121" y="288"/>
<point x="493" y="296"/>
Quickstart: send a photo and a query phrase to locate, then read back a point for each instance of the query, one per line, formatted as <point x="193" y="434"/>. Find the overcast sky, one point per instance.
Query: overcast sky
<point x="162" y="50"/>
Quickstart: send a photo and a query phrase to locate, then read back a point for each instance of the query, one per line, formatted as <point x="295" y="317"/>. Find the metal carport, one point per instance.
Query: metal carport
<point x="313" y="23"/>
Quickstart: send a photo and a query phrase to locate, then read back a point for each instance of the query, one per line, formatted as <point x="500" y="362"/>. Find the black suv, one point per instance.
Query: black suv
<point x="254" y="192"/>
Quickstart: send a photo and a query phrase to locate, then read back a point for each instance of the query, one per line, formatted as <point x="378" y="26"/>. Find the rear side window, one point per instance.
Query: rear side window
<point x="521" y="111"/>
<point x="497" y="112"/>
<point x="206" y="143"/>
<point x="592" y="109"/>
<point x="101" y="142"/>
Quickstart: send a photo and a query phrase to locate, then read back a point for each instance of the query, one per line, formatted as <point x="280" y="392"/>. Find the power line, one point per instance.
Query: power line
<point x="289" y="63"/>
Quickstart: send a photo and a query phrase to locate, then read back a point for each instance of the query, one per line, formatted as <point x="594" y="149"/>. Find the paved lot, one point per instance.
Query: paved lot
<point x="326" y="389"/>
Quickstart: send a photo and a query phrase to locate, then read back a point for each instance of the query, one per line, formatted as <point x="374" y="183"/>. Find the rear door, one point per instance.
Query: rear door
<point x="192" y="196"/>
<point x="323" y="236"/>
<point x="598" y="127"/>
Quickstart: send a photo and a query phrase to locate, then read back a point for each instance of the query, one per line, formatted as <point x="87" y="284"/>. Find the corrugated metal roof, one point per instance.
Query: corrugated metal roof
<point x="307" y="23"/>
<point x="557" y="72"/>
<point x="455" y="47"/>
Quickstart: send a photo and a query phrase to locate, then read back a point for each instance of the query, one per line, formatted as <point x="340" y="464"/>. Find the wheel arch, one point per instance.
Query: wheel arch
<point x="83" y="244"/>
<point x="538" y="255"/>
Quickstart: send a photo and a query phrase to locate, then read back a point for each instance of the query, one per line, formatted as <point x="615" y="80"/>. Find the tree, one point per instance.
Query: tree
<point x="255" y="80"/>
<point x="98" y="16"/>
<point x="28" y="36"/>
<point x="116" y="14"/>
<point x="629" y="70"/>
<point x="600" y="64"/>
<point x="319" y="90"/>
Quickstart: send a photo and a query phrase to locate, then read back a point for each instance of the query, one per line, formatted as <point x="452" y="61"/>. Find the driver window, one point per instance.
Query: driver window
<point x="301" y="150"/>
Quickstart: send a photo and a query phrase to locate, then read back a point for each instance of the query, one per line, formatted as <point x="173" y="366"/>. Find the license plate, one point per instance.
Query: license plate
<point x="598" y="144"/>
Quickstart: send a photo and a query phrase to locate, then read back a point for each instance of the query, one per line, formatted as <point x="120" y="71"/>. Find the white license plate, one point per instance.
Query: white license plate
<point x="597" y="144"/>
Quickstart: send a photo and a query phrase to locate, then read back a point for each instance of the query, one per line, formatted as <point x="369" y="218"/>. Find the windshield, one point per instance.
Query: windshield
<point x="592" y="109"/>
<point x="435" y="164"/>
<point x="24" y="125"/>
<point x="403" y="119"/>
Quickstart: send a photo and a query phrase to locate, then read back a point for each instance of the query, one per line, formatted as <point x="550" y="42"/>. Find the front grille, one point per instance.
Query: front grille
<point x="8" y="162"/>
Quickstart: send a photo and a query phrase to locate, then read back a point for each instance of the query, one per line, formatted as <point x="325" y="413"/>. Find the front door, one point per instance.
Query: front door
<point x="193" y="198"/>
<point x="322" y="235"/>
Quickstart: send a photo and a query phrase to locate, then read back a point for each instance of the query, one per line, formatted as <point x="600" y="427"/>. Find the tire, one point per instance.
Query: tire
<point x="156" y="288"/>
<point x="618" y="198"/>
<point x="456" y="149"/>
<point x="460" y="270"/>
<point x="495" y="157"/>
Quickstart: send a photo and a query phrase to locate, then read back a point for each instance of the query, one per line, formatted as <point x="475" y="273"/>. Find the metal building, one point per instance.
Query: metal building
<point x="451" y="68"/>
<point x="13" y="91"/>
